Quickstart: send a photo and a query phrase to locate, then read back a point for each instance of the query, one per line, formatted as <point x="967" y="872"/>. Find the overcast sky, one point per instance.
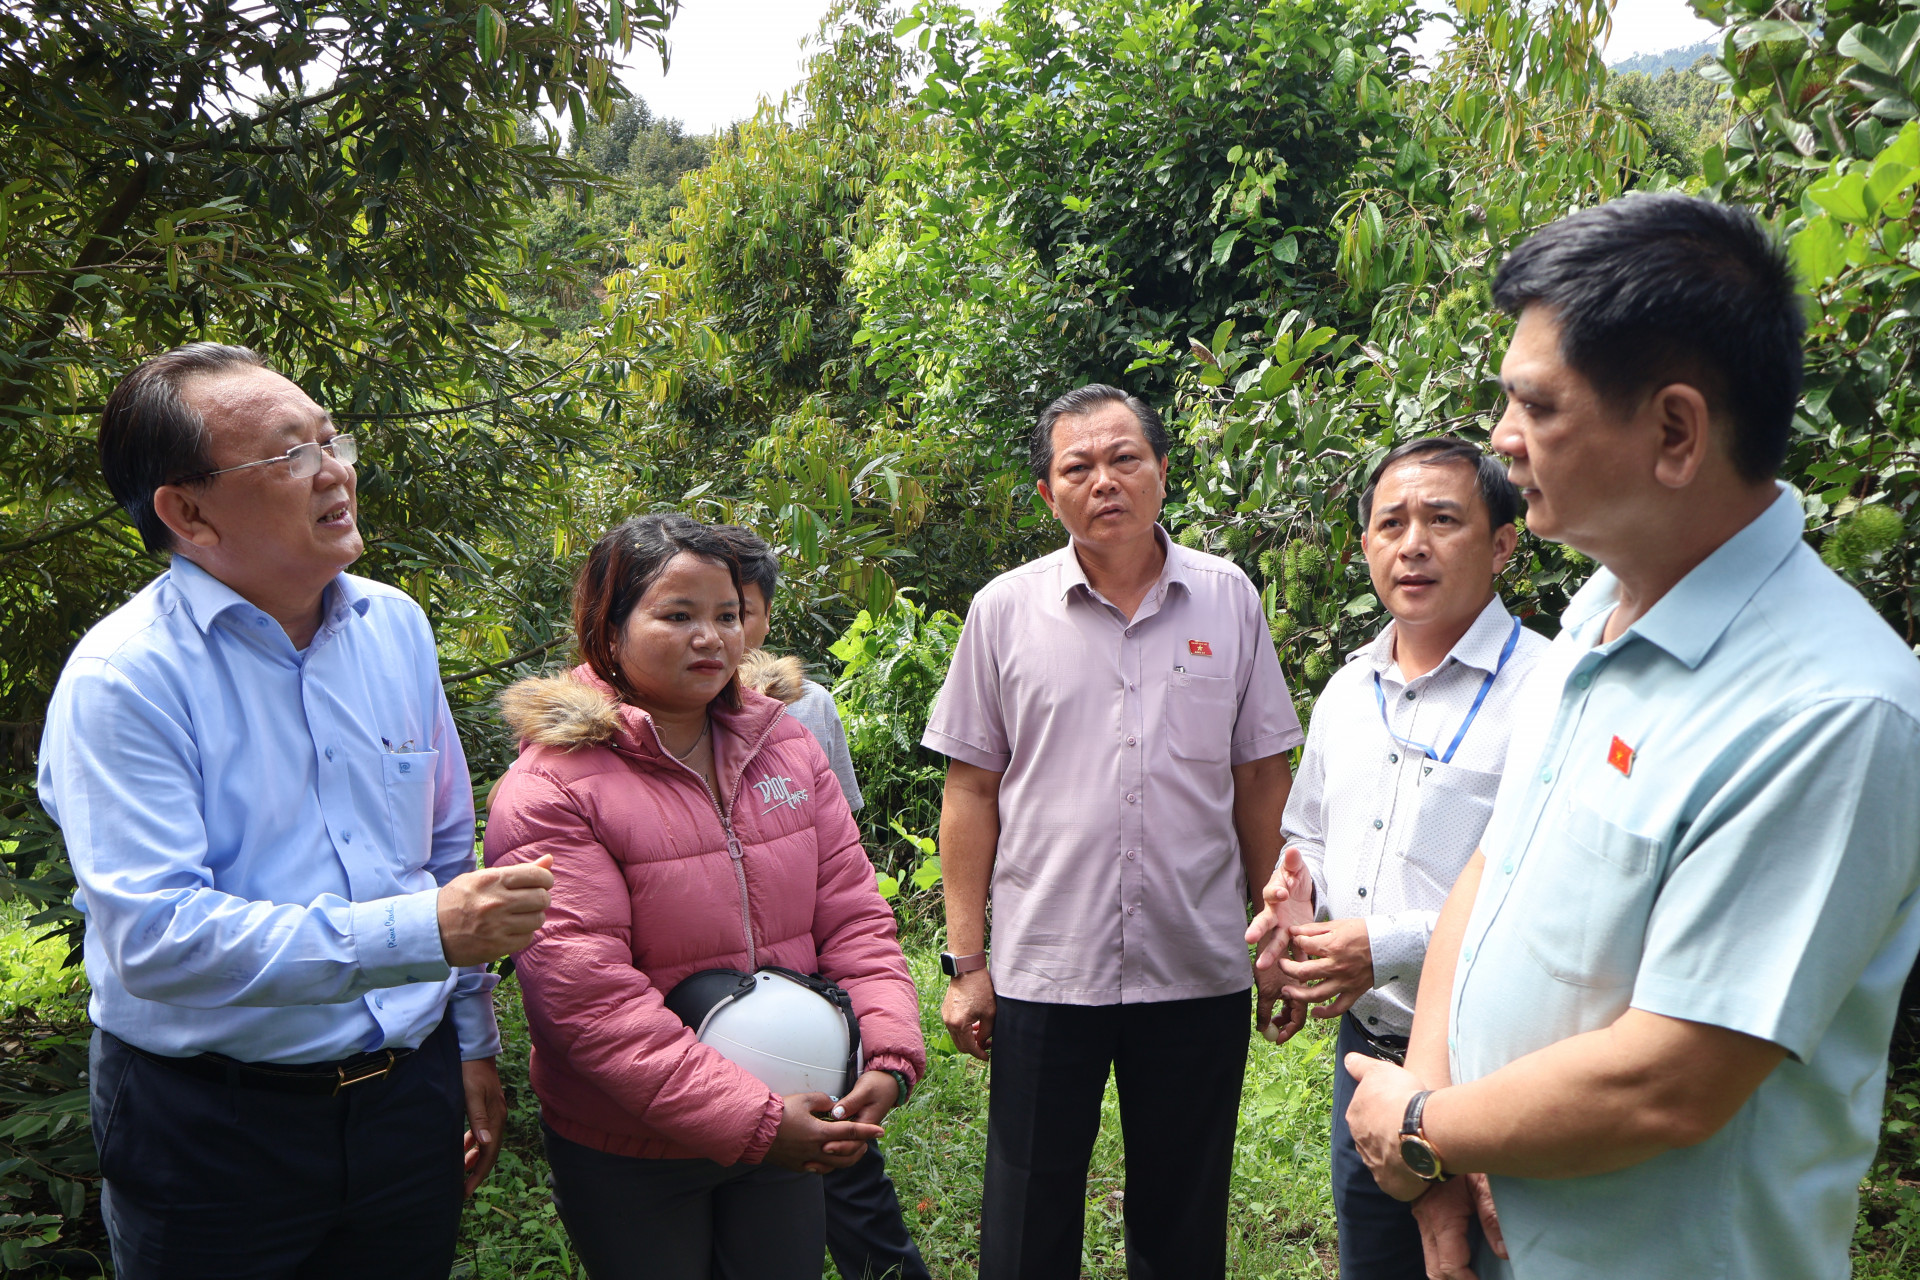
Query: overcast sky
<point x="727" y="54"/>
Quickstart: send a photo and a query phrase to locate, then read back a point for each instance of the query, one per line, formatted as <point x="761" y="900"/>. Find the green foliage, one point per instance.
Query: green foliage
<point x="47" y="1162"/>
<point x="1164" y="165"/>
<point x="893" y="668"/>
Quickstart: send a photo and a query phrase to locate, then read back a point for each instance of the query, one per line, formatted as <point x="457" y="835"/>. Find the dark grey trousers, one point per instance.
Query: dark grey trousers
<point x="634" y="1219"/>
<point x="1178" y="1067"/>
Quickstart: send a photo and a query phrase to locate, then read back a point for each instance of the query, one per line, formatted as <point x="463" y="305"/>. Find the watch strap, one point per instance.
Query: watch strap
<point x="1416" y="1109"/>
<point x="953" y="966"/>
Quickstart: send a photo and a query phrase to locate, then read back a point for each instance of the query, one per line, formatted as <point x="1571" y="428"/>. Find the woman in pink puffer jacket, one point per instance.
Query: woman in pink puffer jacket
<point x="693" y="825"/>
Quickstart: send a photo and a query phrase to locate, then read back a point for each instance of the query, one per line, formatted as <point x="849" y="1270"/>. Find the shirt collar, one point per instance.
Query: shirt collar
<point x="207" y="597"/>
<point x="1479" y="648"/>
<point x="1690" y="619"/>
<point x="1174" y="570"/>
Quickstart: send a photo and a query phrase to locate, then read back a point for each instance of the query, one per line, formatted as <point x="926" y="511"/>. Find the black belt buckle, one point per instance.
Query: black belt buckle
<point x="375" y="1073"/>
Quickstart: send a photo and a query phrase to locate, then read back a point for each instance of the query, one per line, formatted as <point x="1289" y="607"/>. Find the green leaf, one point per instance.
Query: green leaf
<point x="1769" y="30"/>
<point x="1343" y="68"/>
<point x="1887" y="181"/>
<point x="889" y="886"/>
<point x="1843" y="195"/>
<point x="1871" y="47"/>
<point x="489" y="32"/>
<point x="1287" y="248"/>
<point x="1819" y="250"/>
<point x="1223" y="247"/>
<point x="927" y="874"/>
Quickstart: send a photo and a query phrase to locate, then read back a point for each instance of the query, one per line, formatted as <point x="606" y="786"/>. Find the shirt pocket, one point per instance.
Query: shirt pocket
<point x="1454" y="806"/>
<point x="408" y="777"/>
<point x="1199" y="716"/>
<point x="1591" y="889"/>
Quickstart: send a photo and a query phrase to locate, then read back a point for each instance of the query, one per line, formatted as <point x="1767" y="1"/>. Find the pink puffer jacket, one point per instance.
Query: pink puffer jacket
<point x="651" y="884"/>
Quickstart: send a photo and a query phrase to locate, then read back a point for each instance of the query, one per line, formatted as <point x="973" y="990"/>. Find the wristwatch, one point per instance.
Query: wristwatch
<point x="953" y="966"/>
<point x="1415" y="1151"/>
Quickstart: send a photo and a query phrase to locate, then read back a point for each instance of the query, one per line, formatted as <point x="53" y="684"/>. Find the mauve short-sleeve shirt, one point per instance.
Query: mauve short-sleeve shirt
<point x="1117" y="876"/>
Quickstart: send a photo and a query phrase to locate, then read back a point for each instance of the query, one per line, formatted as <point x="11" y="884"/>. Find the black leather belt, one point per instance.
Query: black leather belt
<point x="315" y="1079"/>
<point x="1392" y="1048"/>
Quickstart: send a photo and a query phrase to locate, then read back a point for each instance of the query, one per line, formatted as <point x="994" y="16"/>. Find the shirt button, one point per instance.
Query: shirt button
<point x="346" y="837"/>
<point x="1376" y="824"/>
<point x="1363" y="893"/>
<point x="329" y="753"/>
<point x="1133" y="911"/>
<point x="1507" y="866"/>
<point x="1131" y="854"/>
<point x="1409" y="695"/>
<point x="1466" y="953"/>
<point x="1583" y="681"/>
<point x="1373" y="1022"/>
<point x="1130" y="741"/>
<point x="379" y="1002"/>
<point x="1546" y="775"/>
<point x="259" y="622"/>
<point x="1392" y="758"/>
<point x="1130" y="684"/>
<point x="1131" y="798"/>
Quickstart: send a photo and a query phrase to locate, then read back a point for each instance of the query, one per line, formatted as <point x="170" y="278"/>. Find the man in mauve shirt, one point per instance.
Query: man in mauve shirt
<point x="1117" y="727"/>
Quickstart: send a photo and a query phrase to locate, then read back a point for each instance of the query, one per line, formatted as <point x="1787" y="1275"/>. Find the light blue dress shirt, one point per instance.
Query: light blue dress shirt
<point x="1753" y="865"/>
<point x="259" y="833"/>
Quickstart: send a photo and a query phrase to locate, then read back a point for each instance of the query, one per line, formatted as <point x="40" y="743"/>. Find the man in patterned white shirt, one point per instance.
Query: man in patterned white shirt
<point x="1402" y="761"/>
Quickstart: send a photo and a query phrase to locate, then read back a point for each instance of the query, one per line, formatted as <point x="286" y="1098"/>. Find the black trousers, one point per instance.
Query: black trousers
<point x="1178" y="1066"/>
<point x="1379" y="1237"/>
<point x="635" y="1219"/>
<point x="207" y="1181"/>
<point x="866" y="1233"/>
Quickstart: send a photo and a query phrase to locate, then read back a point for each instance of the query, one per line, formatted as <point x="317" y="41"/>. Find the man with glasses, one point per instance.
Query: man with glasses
<point x="270" y="820"/>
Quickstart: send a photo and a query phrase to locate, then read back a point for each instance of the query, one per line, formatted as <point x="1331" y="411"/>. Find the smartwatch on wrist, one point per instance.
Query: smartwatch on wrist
<point x="953" y="966"/>
<point x="1415" y="1151"/>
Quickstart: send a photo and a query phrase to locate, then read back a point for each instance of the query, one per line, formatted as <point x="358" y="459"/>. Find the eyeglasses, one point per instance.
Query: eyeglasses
<point x="303" y="460"/>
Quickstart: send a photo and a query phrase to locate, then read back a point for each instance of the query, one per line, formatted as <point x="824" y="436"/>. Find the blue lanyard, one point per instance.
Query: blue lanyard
<point x="1513" y="638"/>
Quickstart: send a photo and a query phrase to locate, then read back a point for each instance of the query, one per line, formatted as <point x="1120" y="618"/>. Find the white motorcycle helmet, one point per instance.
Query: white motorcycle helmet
<point x="794" y="1033"/>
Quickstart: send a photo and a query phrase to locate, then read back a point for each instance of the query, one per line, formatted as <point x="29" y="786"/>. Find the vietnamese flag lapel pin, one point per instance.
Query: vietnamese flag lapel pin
<point x="1620" y="756"/>
<point x="1200" y="648"/>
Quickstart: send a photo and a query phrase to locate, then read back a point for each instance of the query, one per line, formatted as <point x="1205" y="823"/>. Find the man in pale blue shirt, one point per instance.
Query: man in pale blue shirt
<point x="1656" y="1007"/>
<point x="270" y="821"/>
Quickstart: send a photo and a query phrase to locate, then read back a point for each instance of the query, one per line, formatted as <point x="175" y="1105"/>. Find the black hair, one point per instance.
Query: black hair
<point x="1083" y="400"/>
<point x="627" y="560"/>
<point x="758" y="562"/>
<point x="1497" y="492"/>
<point x="1654" y="289"/>
<point x="150" y="436"/>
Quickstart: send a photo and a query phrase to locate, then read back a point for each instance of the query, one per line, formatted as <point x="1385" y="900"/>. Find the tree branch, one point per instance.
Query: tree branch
<point x="9" y="548"/>
<point x="495" y="667"/>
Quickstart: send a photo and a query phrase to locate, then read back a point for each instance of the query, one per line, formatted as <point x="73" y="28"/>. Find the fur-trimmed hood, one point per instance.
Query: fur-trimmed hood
<point x="777" y="676"/>
<point x="560" y="711"/>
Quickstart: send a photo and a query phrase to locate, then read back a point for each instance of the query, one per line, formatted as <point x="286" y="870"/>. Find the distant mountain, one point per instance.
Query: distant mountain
<point x="1680" y="59"/>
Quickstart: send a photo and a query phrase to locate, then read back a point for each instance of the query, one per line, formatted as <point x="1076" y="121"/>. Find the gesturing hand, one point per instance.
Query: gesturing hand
<point x="807" y="1144"/>
<point x="968" y="1012"/>
<point x="1286" y="900"/>
<point x="493" y="912"/>
<point x="1336" y="957"/>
